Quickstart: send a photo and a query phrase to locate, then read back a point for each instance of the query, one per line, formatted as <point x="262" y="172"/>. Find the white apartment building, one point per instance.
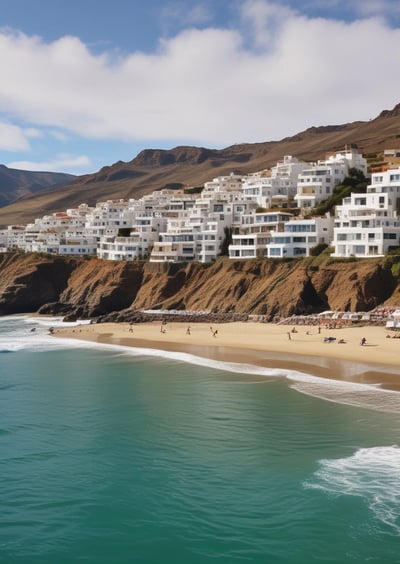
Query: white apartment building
<point x="389" y="183"/>
<point x="254" y="234"/>
<point x="198" y="233"/>
<point x="316" y="183"/>
<point x="137" y="245"/>
<point x="175" y="247"/>
<point x="108" y="217"/>
<point x="231" y="183"/>
<point x="277" y="187"/>
<point x="351" y="157"/>
<point x="365" y="225"/>
<point x="299" y="236"/>
<point x="14" y="237"/>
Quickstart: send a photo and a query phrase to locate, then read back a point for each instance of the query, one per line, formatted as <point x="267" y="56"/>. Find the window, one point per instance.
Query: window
<point x="274" y="252"/>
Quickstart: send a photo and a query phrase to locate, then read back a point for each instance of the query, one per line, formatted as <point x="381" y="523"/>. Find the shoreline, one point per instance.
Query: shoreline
<point x="267" y="345"/>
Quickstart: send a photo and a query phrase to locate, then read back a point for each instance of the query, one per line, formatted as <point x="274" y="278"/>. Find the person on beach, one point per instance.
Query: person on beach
<point x="363" y="341"/>
<point x="188" y="331"/>
<point x="289" y="336"/>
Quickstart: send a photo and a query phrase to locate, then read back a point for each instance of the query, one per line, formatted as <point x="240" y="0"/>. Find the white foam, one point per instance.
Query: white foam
<point x="338" y="391"/>
<point x="54" y="322"/>
<point x="32" y="333"/>
<point x="370" y="473"/>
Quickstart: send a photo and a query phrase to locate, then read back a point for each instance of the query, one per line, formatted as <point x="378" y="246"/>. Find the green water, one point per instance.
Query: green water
<point x="111" y="458"/>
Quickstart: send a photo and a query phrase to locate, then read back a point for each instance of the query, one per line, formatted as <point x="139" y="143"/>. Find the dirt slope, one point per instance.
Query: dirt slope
<point x="89" y="288"/>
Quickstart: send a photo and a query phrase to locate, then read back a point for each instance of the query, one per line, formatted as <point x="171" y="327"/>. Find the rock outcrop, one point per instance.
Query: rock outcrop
<point x="88" y="288"/>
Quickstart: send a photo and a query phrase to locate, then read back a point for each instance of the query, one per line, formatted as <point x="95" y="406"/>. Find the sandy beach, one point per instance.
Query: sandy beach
<point x="330" y="353"/>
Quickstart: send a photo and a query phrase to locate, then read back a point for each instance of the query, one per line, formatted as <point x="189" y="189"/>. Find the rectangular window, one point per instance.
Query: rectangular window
<point x="274" y="252"/>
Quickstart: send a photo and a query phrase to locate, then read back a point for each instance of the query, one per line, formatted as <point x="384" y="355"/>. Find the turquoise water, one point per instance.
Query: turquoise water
<point x="108" y="456"/>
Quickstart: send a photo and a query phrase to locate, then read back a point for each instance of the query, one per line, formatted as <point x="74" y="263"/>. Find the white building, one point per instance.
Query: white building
<point x="317" y="183"/>
<point x="275" y="188"/>
<point x="198" y="233"/>
<point x="389" y="183"/>
<point x="299" y="236"/>
<point x="108" y="217"/>
<point x="231" y="183"/>
<point x="137" y="245"/>
<point x="254" y="234"/>
<point x="365" y="225"/>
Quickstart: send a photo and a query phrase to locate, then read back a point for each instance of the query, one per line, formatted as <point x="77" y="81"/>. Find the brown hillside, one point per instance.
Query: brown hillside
<point x="88" y="288"/>
<point x="154" y="169"/>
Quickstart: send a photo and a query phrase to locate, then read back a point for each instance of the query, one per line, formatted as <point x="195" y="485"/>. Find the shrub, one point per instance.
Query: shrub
<point x="318" y="249"/>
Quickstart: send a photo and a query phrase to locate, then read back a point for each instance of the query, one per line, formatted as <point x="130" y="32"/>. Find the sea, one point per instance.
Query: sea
<point x="115" y="455"/>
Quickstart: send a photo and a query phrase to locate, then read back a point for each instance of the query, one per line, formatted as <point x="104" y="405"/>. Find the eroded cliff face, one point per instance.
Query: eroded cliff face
<point x="91" y="287"/>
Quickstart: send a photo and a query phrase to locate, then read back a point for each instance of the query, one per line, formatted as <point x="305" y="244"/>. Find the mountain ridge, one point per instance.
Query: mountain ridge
<point x="15" y="183"/>
<point x="186" y="166"/>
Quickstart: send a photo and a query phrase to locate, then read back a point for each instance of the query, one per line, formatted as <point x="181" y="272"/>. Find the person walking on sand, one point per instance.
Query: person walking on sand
<point x="363" y="341"/>
<point x="188" y="331"/>
<point x="289" y="336"/>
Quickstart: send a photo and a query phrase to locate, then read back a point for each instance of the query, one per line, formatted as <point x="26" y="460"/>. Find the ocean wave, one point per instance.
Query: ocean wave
<point x="32" y="333"/>
<point x="54" y="322"/>
<point x="370" y="473"/>
<point x="21" y="332"/>
<point x="369" y="396"/>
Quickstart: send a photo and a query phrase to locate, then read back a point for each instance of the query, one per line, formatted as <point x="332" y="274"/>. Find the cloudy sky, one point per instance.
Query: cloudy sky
<point x="85" y="83"/>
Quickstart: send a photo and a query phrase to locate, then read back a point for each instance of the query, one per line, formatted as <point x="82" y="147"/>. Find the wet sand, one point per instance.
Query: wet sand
<point x="266" y="345"/>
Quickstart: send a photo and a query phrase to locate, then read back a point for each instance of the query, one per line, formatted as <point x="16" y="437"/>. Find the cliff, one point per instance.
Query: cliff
<point x="90" y="288"/>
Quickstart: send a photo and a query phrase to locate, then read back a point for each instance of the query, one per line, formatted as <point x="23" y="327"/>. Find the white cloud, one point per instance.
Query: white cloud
<point x="205" y="86"/>
<point x="62" y="162"/>
<point x="266" y="21"/>
<point x="33" y="133"/>
<point x="13" y="138"/>
<point x="58" y="135"/>
<point x="180" y="13"/>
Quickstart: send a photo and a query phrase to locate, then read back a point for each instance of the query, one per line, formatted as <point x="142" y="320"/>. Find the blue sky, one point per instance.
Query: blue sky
<point x="86" y="83"/>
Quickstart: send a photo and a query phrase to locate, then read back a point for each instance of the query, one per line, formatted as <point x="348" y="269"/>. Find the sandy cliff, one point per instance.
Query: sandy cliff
<point x="92" y="287"/>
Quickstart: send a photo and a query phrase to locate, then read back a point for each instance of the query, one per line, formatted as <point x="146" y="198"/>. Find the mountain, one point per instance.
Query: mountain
<point x="15" y="184"/>
<point x="154" y="169"/>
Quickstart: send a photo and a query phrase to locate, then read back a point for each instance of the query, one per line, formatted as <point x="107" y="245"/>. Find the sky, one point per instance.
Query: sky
<point x="86" y="83"/>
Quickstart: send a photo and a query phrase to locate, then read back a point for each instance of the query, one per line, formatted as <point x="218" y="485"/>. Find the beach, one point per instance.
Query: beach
<point x="320" y="351"/>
